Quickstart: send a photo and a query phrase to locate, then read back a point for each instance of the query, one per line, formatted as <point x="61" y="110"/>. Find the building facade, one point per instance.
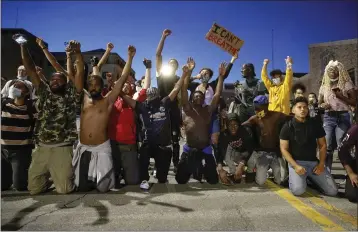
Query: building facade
<point x="345" y="51"/>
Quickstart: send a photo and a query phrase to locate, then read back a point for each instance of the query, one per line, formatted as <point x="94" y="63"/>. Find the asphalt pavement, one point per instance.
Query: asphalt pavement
<point x="194" y="206"/>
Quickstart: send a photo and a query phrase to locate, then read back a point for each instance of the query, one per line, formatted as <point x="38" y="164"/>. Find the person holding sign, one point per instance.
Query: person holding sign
<point x="279" y="88"/>
<point x="197" y="157"/>
<point x="167" y="78"/>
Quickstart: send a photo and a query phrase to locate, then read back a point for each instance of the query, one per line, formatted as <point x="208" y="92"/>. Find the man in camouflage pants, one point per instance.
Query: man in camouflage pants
<point x="55" y="129"/>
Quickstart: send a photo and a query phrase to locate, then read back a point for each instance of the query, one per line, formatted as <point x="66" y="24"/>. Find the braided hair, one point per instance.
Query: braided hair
<point x="343" y="76"/>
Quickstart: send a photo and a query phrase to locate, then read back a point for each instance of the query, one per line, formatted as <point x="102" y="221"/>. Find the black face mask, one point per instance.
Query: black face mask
<point x="96" y="95"/>
<point x="60" y="90"/>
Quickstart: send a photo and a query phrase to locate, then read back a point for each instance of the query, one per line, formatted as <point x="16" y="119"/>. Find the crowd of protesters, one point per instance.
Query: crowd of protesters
<point x="71" y="131"/>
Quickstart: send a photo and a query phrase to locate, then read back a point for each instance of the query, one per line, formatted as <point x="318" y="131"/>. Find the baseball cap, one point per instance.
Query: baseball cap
<point x="261" y="100"/>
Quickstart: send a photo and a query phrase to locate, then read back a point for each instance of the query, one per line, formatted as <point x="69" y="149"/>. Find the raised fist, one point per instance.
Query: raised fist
<point x="167" y="32"/>
<point x="190" y="63"/>
<point x="75" y="46"/>
<point x="222" y="69"/>
<point x="131" y="50"/>
<point x="41" y="43"/>
<point x="289" y="60"/>
<point x="266" y="61"/>
<point x="147" y="63"/>
<point x="110" y="46"/>
<point x="185" y="68"/>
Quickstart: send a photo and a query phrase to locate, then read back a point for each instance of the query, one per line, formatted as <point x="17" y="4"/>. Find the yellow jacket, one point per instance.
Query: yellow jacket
<point x="279" y="96"/>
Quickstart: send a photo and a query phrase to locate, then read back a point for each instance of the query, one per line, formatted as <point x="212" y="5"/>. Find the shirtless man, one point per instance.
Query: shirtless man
<point x="197" y="157"/>
<point x="92" y="160"/>
<point x="267" y="125"/>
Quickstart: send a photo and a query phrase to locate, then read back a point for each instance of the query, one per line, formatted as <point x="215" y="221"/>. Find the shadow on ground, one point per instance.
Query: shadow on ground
<point x="75" y="199"/>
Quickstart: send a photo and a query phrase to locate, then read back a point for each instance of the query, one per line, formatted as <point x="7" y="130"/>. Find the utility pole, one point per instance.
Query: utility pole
<point x="17" y="16"/>
<point x="272" y="53"/>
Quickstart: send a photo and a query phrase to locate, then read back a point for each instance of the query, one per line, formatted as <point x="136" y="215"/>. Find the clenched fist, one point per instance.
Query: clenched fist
<point x="167" y="32"/>
<point x="266" y="61"/>
<point x="75" y="46"/>
<point x="110" y="46"/>
<point x="185" y="68"/>
<point x="147" y="63"/>
<point x="289" y="60"/>
<point x="131" y="51"/>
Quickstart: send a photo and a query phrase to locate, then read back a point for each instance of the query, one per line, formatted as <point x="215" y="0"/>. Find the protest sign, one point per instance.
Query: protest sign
<point x="225" y="39"/>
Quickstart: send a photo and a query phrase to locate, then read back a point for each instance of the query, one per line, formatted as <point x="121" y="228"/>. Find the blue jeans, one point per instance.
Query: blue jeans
<point x="334" y="126"/>
<point x="298" y="184"/>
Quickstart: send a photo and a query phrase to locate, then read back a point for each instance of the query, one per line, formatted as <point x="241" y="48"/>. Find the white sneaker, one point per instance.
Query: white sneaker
<point x="144" y="185"/>
<point x="155" y="173"/>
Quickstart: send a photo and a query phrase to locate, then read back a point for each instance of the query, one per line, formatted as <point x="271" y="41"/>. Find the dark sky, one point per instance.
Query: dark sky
<point x="295" y="24"/>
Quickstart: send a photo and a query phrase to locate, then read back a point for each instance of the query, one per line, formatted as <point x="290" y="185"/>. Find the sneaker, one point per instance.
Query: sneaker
<point x="155" y="173"/>
<point x="144" y="185"/>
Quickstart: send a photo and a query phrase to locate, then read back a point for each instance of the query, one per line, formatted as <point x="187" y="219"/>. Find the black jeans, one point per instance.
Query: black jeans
<point x="84" y="184"/>
<point x="351" y="191"/>
<point x="162" y="157"/>
<point x="192" y="164"/>
<point x="14" y="168"/>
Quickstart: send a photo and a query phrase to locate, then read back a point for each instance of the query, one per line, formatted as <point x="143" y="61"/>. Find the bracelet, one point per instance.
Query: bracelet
<point x="43" y="48"/>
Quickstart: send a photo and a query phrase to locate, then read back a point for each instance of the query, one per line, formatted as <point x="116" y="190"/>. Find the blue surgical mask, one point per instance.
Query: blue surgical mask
<point x="14" y="92"/>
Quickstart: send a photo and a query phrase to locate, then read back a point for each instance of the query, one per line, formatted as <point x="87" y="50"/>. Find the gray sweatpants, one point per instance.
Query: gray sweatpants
<point x="267" y="160"/>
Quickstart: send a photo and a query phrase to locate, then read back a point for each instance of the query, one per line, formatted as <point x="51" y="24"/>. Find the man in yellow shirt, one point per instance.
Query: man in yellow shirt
<point x="279" y="88"/>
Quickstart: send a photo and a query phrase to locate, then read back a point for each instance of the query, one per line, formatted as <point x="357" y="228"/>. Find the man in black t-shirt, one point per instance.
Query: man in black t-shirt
<point x="166" y="80"/>
<point x="157" y="141"/>
<point x="298" y="142"/>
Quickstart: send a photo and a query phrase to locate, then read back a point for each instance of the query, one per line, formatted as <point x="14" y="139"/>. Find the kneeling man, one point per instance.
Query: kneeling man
<point x="298" y="142"/>
<point x="92" y="160"/>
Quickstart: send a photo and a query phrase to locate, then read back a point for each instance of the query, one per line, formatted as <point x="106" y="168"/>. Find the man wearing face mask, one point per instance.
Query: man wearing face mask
<point x="279" y="88"/>
<point x="122" y="130"/>
<point x="197" y="158"/>
<point x="166" y="83"/>
<point x="55" y="129"/>
<point x="336" y="95"/>
<point x="18" y="116"/>
<point x="156" y="121"/>
<point x="267" y="125"/>
<point x="245" y="92"/>
<point x="21" y="75"/>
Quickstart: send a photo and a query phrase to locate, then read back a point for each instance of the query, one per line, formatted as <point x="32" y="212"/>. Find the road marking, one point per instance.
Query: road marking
<point x="331" y="209"/>
<point x="305" y="210"/>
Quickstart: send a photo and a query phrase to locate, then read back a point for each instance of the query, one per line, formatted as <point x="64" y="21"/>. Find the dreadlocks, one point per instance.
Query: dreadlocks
<point x="343" y="76"/>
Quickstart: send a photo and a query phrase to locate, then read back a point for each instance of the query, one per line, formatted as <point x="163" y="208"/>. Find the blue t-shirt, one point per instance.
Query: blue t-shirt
<point x="156" y="121"/>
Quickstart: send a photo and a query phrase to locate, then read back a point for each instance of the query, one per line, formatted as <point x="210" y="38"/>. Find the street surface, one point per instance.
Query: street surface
<point x="181" y="207"/>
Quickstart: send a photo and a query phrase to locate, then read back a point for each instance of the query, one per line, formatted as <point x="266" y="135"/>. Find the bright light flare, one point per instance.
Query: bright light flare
<point x="167" y="70"/>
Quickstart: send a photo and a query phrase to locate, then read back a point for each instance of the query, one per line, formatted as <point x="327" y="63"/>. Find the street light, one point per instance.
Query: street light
<point x="167" y="70"/>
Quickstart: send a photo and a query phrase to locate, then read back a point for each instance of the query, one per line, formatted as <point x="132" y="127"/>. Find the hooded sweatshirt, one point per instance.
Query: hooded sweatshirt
<point x="240" y="142"/>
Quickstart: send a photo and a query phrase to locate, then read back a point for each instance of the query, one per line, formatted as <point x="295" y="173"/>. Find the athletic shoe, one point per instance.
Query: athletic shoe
<point x="144" y="185"/>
